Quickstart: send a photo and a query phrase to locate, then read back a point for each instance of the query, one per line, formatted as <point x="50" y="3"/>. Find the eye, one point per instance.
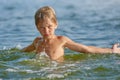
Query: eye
<point x="49" y="26"/>
<point x="42" y="27"/>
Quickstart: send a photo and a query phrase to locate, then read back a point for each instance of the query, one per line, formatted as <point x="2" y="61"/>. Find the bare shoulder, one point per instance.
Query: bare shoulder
<point x="64" y="38"/>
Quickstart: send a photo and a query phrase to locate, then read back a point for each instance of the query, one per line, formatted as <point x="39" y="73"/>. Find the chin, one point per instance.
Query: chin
<point x="47" y="35"/>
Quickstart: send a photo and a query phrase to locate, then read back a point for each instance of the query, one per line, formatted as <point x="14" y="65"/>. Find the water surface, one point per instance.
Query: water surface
<point x="90" y="22"/>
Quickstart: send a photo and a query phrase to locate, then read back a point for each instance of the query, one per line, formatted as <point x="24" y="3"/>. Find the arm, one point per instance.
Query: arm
<point x="89" y="49"/>
<point x="31" y="47"/>
<point x="115" y="49"/>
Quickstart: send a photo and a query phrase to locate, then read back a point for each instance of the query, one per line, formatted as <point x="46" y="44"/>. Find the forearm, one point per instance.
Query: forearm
<point x="93" y="49"/>
<point x="29" y="48"/>
<point x="25" y="50"/>
<point x="90" y="49"/>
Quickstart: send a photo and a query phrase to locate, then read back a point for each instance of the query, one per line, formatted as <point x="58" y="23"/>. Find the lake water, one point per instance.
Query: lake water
<point x="90" y="22"/>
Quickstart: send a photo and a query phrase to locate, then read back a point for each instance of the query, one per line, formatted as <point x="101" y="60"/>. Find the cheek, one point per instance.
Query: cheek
<point x="52" y="30"/>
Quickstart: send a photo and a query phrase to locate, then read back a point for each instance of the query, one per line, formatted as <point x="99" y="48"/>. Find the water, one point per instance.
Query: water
<point x="93" y="22"/>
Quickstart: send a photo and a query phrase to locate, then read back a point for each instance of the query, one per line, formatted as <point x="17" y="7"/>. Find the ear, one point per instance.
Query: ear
<point x="56" y="26"/>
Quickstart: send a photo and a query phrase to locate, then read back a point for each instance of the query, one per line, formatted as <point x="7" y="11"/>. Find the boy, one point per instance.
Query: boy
<point x="53" y="45"/>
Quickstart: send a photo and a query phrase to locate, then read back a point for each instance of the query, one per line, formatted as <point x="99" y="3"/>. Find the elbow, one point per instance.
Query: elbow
<point x="89" y="50"/>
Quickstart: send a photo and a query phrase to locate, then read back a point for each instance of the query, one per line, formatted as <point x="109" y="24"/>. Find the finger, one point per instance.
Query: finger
<point x="118" y="44"/>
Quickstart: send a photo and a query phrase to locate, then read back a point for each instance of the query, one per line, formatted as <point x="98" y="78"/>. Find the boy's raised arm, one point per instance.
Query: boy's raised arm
<point x="90" y="49"/>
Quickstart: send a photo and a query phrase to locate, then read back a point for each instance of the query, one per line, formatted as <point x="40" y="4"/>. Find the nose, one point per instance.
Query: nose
<point x="46" y="30"/>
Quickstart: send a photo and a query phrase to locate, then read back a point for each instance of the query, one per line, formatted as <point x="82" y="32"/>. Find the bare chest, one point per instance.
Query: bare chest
<point x="53" y="49"/>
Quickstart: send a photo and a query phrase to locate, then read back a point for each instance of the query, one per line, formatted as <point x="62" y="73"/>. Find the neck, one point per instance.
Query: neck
<point x="48" y="37"/>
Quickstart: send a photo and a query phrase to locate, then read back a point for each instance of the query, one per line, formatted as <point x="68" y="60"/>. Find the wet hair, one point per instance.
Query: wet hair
<point x="44" y="13"/>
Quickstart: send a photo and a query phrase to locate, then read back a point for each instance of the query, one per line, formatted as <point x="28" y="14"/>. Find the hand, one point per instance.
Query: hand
<point x="115" y="48"/>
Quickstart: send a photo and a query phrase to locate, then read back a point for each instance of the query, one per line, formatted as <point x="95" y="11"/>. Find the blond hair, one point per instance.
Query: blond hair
<point x="45" y="12"/>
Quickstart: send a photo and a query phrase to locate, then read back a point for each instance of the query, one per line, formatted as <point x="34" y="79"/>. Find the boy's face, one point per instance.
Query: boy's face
<point x="46" y="27"/>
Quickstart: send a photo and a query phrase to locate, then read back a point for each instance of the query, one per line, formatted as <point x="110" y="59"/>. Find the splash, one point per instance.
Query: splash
<point x="18" y="46"/>
<point x="41" y="54"/>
